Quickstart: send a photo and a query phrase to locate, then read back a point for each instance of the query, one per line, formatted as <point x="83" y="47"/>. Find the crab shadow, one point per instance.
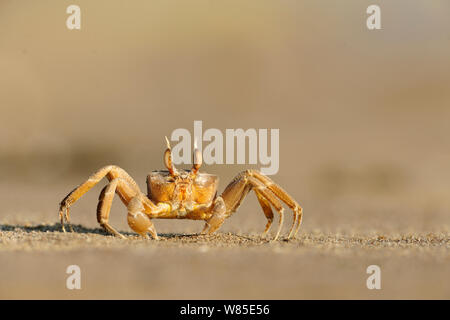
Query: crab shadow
<point x="84" y="230"/>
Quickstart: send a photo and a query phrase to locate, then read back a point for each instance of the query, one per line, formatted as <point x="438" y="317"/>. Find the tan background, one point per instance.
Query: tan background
<point x="364" y="142"/>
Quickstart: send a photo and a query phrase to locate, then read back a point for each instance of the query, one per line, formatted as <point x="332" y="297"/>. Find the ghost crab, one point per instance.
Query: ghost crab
<point x="182" y="194"/>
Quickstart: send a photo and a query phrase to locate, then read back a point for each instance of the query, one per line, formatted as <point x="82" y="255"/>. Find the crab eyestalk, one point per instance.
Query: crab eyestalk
<point x="197" y="161"/>
<point x="168" y="160"/>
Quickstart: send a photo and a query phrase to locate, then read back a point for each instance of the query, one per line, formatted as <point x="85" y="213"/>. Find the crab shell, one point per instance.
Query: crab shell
<point x="185" y="188"/>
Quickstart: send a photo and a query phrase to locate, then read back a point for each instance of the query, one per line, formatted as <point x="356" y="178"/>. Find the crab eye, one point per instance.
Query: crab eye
<point x="170" y="179"/>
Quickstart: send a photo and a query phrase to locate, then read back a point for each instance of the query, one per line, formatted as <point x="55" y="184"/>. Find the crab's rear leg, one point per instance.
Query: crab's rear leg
<point x="283" y="196"/>
<point x="265" y="205"/>
<point x="269" y="195"/>
<point x="235" y="193"/>
<point x="111" y="172"/>
<point x="125" y="191"/>
<point x="263" y="192"/>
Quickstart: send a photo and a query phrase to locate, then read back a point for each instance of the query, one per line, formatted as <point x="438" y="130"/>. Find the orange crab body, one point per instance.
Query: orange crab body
<point x="182" y="194"/>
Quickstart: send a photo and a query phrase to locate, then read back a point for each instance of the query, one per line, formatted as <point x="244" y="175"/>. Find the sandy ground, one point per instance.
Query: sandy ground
<point x="227" y="265"/>
<point x="223" y="266"/>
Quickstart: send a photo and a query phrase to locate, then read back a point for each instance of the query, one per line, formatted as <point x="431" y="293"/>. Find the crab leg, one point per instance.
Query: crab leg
<point x="265" y="205"/>
<point x="110" y="172"/>
<point x="271" y="198"/>
<point x="138" y="220"/>
<point x="268" y="194"/>
<point x="125" y="191"/>
<point x="219" y="214"/>
<point x="285" y="197"/>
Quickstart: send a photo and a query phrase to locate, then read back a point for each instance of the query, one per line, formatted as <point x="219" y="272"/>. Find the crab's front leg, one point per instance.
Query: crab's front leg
<point x="137" y="204"/>
<point x="218" y="216"/>
<point x="120" y="182"/>
<point x="140" y="211"/>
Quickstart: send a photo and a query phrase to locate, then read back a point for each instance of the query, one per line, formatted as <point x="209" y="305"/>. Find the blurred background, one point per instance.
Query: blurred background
<point x="363" y="115"/>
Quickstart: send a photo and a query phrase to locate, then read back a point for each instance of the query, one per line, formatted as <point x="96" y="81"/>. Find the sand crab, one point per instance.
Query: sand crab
<point x="182" y="194"/>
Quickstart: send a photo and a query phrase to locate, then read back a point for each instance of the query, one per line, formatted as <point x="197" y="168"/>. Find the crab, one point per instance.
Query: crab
<point x="182" y="194"/>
